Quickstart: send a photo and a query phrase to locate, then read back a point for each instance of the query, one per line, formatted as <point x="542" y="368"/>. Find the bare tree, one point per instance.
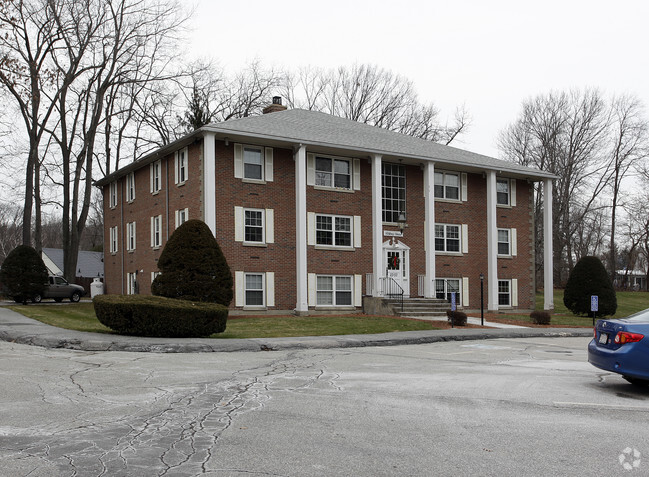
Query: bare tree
<point x="10" y="228"/>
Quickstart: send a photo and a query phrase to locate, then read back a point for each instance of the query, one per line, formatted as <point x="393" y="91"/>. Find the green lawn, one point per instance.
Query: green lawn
<point x="81" y="317"/>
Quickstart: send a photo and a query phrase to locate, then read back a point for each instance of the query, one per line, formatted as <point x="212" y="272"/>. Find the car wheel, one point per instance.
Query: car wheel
<point x="75" y="297"/>
<point x="637" y="381"/>
<point x="37" y="298"/>
<point x="58" y="300"/>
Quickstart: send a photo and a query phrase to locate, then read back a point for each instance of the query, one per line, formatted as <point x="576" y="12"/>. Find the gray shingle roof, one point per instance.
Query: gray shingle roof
<point x="89" y="264"/>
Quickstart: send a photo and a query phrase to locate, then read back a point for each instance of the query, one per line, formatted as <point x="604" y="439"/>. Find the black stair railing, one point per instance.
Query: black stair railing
<point x="392" y="290"/>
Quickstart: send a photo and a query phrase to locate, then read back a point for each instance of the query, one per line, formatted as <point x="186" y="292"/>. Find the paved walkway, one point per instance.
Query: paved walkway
<point x="17" y="328"/>
<point x="472" y="321"/>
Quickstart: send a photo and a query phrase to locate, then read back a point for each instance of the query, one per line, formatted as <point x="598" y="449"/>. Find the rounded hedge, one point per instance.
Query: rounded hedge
<point x="155" y="316"/>
<point x="23" y="274"/>
<point x="193" y="267"/>
<point x="588" y="278"/>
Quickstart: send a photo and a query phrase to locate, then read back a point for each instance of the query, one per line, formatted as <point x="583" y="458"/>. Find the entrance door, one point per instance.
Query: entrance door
<point x="396" y="259"/>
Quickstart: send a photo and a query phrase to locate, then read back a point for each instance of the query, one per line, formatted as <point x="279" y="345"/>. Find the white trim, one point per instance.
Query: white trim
<point x="310" y="169"/>
<point x="311" y="289"/>
<point x="377" y="224"/>
<point x="358" y="289"/>
<point x="131" y="234"/>
<point x="238" y="161"/>
<point x="429" y="233"/>
<point x="350" y="163"/>
<point x="492" y="243"/>
<point x="209" y="181"/>
<point x="464" y="185"/>
<point x="112" y="195"/>
<point x="514" y="292"/>
<point x="311" y="228"/>
<point x="512" y="192"/>
<point x="270" y="289"/>
<point x="268" y="164"/>
<point x="465" y="238"/>
<point x="356" y="174"/>
<point x="239" y="289"/>
<point x="238" y="224"/>
<point x="512" y="242"/>
<point x="177" y="169"/>
<point x="130" y="187"/>
<point x="465" y="291"/>
<point x="301" y="231"/>
<point x="156" y="173"/>
<point x="548" y="278"/>
<point x="269" y="226"/>
<point x="356" y="230"/>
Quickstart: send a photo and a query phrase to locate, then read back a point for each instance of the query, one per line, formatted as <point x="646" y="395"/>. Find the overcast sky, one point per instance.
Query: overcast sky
<point x="488" y="55"/>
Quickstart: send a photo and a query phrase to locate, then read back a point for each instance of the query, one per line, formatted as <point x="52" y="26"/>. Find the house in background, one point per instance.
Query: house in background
<point x="90" y="265"/>
<point x="314" y="212"/>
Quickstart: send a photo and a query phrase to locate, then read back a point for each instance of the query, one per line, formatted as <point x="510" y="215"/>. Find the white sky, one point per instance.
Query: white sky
<point x="488" y="55"/>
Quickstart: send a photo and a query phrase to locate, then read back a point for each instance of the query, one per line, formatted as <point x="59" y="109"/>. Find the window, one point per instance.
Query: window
<point x="504" y="242"/>
<point x="253" y="162"/>
<point x="333" y="230"/>
<point x="445" y="286"/>
<point x="333" y="172"/>
<point x="254" y="289"/>
<point x="156" y="177"/>
<point x="156" y="231"/>
<point x="181" y="166"/>
<point x="131" y="284"/>
<point x="394" y="191"/>
<point x="504" y="292"/>
<point x="182" y="216"/>
<point x="154" y="275"/>
<point x="130" y="236"/>
<point x="502" y="191"/>
<point x="447" y="185"/>
<point x="130" y="187"/>
<point x="113" y="195"/>
<point x="253" y="225"/>
<point x="447" y="238"/>
<point x="113" y="240"/>
<point x="333" y="290"/>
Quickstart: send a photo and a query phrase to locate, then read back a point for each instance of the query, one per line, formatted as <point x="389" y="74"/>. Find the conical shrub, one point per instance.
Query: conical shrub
<point x="588" y="278"/>
<point x="23" y="274"/>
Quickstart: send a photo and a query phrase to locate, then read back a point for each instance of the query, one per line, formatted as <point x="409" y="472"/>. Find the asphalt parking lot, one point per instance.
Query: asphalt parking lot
<point x="526" y="406"/>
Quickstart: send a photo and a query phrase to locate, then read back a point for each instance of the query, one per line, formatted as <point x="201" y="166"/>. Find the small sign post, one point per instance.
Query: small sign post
<point x="594" y="306"/>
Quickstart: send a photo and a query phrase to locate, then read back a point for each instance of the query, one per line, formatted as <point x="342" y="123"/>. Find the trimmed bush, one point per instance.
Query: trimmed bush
<point x="540" y="317"/>
<point x="142" y="315"/>
<point x="193" y="267"/>
<point x="458" y="318"/>
<point x="23" y="274"/>
<point x="589" y="278"/>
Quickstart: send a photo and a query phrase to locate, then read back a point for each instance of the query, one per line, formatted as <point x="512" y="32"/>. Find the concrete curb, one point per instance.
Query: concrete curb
<point x="16" y="328"/>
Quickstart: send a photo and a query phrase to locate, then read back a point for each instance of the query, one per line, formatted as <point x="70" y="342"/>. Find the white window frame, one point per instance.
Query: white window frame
<point x="446" y="238"/>
<point x="507" y="293"/>
<point x="508" y="242"/>
<point x="335" y="290"/>
<point x="445" y="187"/>
<point x="156" y="177"/>
<point x="262" y="290"/>
<point x="389" y="214"/>
<point x="509" y="192"/>
<point x="320" y="174"/>
<point x="114" y="240"/>
<point x="131" y="279"/>
<point x="261" y="165"/>
<point x="131" y="237"/>
<point x="112" y="195"/>
<point x="154" y="275"/>
<point x="268" y="226"/>
<point x="130" y="187"/>
<point x="180" y="166"/>
<point x="334" y="232"/>
<point x="262" y="226"/>
<point x="182" y="216"/>
<point x="156" y="231"/>
<point x="447" y="292"/>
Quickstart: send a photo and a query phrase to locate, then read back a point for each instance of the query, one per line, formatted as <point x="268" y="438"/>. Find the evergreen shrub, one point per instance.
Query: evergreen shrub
<point x="193" y="267"/>
<point x="143" y="315"/>
<point x="589" y="277"/>
<point x="23" y="274"/>
<point x="540" y="317"/>
<point x="458" y="318"/>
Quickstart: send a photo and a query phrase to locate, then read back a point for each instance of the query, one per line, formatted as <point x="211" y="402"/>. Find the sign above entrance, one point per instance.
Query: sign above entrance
<point x="391" y="233"/>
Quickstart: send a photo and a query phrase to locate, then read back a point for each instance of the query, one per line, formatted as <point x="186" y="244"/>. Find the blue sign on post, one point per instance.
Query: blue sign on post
<point x="453" y="305"/>
<point x="594" y="303"/>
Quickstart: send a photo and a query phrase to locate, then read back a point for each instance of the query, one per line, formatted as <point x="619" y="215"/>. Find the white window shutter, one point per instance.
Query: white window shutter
<point x="270" y="226"/>
<point x="464" y="182"/>
<point x="134" y="236"/>
<point x="177" y="217"/>
<point x="238" y="224"/>
<point x="269" y="164"/>
<point x="515" y="292"/>
<point x="357" y="174"/>
<point x="311" y="284"/>
<point x="514" y="248"/>
<point x="238" y="161"/>
<point x="151" y="177"/>
<point x="357" y="231"/>
<point x="310" y="225"/>
<point x="176" y="168"/>
<point x="310" y="169"/>
<point x="358" y="290"/>
<point x="465" y="291"/>
<point x="465" y="238"/>
<point x="153" y="231"/>
<point x="270" y="288"/>
<point x="239" y="291"/>
<point x="512" y="190"/>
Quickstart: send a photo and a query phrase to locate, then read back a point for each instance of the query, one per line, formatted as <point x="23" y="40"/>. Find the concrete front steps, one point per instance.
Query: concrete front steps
<point x="419" y="307"/>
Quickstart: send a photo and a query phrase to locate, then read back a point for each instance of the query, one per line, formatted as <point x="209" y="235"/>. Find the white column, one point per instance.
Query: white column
<point x="377" y="223"/>
<point x="209" y="181"/>
<point x="492" y="243"/>
<point x="548" y="268"/>
<point x="429" y="193"/>
<point x="302" y="305"/>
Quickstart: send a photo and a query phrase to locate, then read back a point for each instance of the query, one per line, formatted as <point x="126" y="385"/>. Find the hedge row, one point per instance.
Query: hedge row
<point x="143" y="315"/>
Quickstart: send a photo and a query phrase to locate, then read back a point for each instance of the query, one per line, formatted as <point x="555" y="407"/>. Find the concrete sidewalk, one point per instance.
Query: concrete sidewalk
<point x="17" y="328"/>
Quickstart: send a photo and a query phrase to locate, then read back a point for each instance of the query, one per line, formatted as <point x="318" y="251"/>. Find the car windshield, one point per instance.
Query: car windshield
<point x="640" y="317"/>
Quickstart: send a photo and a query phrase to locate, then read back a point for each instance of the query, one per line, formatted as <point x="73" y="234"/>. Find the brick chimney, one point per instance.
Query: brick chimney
<point x="276" y="106"/>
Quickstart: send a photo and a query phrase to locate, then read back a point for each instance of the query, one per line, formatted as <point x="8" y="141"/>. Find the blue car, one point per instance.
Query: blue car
<point x="622" y="346"/>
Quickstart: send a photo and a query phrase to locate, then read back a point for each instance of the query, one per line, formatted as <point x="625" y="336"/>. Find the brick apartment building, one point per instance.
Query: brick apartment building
<point x="313" y="212"/>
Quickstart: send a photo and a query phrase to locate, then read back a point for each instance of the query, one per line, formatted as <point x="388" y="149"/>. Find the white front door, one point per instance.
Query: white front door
<point x="397" y="266"/>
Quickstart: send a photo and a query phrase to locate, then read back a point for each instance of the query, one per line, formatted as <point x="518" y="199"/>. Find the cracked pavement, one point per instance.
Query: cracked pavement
<point x="458" y="408"/>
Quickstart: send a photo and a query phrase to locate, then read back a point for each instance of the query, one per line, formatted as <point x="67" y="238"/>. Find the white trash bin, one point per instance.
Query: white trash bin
<point x="96" y="288"/>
